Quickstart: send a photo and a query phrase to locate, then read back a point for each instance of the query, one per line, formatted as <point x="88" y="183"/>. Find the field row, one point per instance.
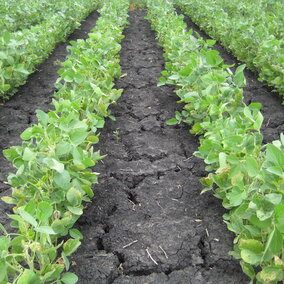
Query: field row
<point x="244" y="174"/>
<point x="53" y="164"/>
<point x="22" y="50"/>
<point x="252" y="31"/>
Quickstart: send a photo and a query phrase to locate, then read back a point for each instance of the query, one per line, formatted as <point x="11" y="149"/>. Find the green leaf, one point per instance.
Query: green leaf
<point x="9" y="200"/>
<point x="239" y="78"/>
<point x="274" y="155"/>
<point x="273" y="246"/>
<point x="29" y="277"/>
<point x="250" y="257"/>
<point x="252" y="167"/>
<point x="26" y="135"/>
<point x="4" y="243"/>
<point x="270" y="274"/>
<point x="63" y="148"/>
<point x="69" y="278"/>
<point x="74" y="196"/>
<point x="186" y="70"/>
<point x="248" y="270"/>
<point x="172" y="121"/>
<point x="62" y="179"/>
<point x="162" y="82"/>
<point x="252" y="245"/>
<point x="222" y="160"/>
<point x="66" y="261"/>
<point x="54" y="164"/>
<point x="274" y="198"/>
<point x="210" y="42"/>
<point x="28" y="155"/>
<point x="78" y="137"/>
<point x="75" y="210"/>
<point x="58" y="226"/>
<point x="44" y="211"/>
<point x="93" y="139"/>
<point x="213" y="58"/>
<point x="88" y="190"/>
<point x="276" y="170"/>
<point x="279" y="217"/>
<point x="42" y="117"/>
<point x="70" y="246"/>
<point x="3" y="271"/>
<point x="27" y="217"/>
<point x="174" y="77"/>
<point x="76" y="234"/>
<point x="46" y="230"/>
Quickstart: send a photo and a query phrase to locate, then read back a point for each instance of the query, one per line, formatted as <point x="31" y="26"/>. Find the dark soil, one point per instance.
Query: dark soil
<point x="148" y="201"/>
<point x="18" y="113"/>
<point x="256" y="91"/>
<point x="148" y="222"/>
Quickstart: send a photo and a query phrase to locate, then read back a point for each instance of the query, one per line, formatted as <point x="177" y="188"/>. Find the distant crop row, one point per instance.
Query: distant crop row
<point x="22" y="50"/>
<point x="245" y="174"/>
<point x="252" y="30"/>
<point x="54" y="163"/>
<point x="18" y="15"/>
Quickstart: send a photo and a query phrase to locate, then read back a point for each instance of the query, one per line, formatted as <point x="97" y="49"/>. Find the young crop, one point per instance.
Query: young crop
<point x="252" y="30"/>
<point x="21" y="51"/>
<point x="54" y="163"/>
<point x="17" y="15"/>
<point x="247" y="176"/>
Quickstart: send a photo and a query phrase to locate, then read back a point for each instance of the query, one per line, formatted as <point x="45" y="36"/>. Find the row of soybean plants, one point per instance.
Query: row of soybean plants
<point x="23" y="49"/>
<point x="252" y="30"/>
<point x="54" y="163"/>
<point x="246" y="175"/>
<point x="18" y="15"/>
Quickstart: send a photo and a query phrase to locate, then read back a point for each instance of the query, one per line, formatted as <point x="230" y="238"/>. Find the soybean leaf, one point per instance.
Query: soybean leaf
<point x="46" y="230"/>
<point x="29" y="277"/>
<point x="44" y="211"/>
<point x="273" y="245"/>
<point x="78" y="137"/>
<point x="27" y="217"/>
<point x="62" y="179"/>
<point x="71" y="246"/>
<point x="76" y="234"/>
<point x="279" y="217"/>
<point x="42" y="117"/>
<point x="69" y="278"/>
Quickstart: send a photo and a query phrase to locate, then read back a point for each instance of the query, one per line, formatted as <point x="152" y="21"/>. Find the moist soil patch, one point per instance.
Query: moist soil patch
<point x="148" y="222"/>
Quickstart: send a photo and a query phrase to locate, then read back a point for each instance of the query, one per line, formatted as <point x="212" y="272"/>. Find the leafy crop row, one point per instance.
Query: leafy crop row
<point x="18" y="15"/>
<point x="22" y="51"/>
<point x="253" y="35"/>
<point x="54" y="163"/>
<point x="246" y="175"/>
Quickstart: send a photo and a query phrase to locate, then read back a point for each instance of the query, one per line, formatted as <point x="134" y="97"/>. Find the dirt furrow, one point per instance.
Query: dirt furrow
<point x="148" y="222"/>
<point x="255" y="91"/>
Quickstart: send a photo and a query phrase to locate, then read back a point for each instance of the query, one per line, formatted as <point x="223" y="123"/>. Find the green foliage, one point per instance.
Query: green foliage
<point x="23" y="49"/>
<point x="246" y="175"/>
<point x="54" y="163"/>
<point x="252" y="30"/>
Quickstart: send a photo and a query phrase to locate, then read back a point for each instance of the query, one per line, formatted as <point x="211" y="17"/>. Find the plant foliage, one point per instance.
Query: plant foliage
<point x="247" y="176"/>
<point x="54" y="163"/>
